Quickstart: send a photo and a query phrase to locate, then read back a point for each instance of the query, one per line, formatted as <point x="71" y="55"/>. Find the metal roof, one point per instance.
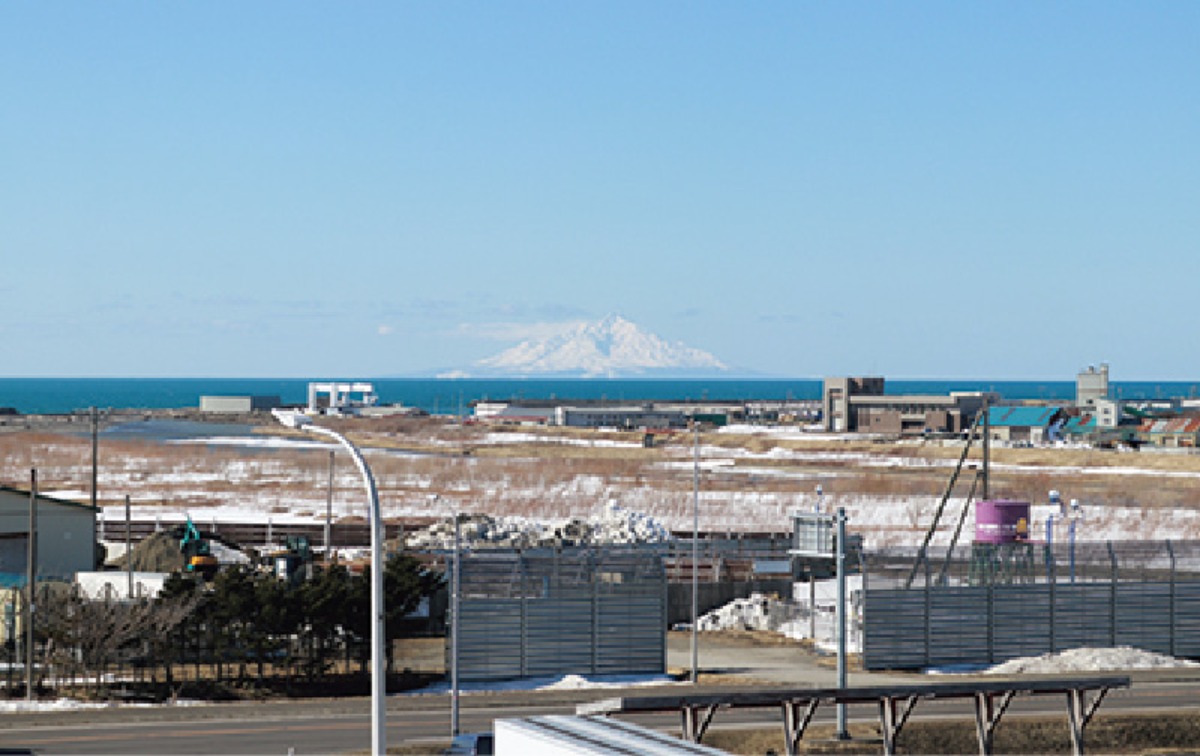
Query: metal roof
<point x="1020" y="417"/>
<point x="44" y="498"/>
<point x="1171" y="425"/>
<point x="567" y="734"/>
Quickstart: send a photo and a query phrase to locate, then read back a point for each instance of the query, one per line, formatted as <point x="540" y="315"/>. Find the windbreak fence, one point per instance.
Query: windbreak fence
<point x="987" y="603"/>
<point x="548" y="613"/>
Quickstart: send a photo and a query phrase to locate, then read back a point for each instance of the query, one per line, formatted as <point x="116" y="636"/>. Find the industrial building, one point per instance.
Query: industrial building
<point x="66" y="537"/>
<point x="237" y="405"/>
<point x="860" y="405"/>
<point x="336" y="398"/>
<point x="626" y="418"/>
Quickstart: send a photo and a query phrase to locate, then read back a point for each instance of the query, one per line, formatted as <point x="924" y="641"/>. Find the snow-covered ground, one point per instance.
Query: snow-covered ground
<point x="70" y="704"/>
<point x="282" y="480"/>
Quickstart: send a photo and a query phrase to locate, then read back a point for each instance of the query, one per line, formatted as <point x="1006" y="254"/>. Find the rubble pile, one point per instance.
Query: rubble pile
<point x="759" y="612"/>
<point x="614" y="524"/>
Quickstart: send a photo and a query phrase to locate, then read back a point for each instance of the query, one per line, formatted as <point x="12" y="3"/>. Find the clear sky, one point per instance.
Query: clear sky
<point x="992" y="190"/>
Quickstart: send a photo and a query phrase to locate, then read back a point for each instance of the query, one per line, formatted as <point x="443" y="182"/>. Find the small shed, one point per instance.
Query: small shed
<point x="66" y="537"/>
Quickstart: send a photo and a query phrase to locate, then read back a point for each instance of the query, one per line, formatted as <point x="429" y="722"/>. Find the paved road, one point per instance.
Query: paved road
<point x="342" y="726"/>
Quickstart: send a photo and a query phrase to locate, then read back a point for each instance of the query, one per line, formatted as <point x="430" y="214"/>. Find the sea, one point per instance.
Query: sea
<point x="454" y="396"/>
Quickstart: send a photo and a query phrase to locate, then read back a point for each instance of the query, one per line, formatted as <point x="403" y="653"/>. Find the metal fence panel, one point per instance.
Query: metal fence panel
<point x="1021" y="621"/>
<point x="535" y="614"/>
<point x="954" y="610"/>
<point x="894" y="623"/>
<point x="1187" y="619"/>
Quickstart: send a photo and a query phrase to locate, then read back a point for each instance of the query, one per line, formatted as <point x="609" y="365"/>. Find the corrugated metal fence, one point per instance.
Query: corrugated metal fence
<point x="543" y="613"/>
<point x="985" y="605"/>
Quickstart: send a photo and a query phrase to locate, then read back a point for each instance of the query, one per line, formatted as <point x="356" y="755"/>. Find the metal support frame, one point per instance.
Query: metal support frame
<point x="892" y="721"/>
<point x="922" y="552"/>
<point x="695" y="726"/>
<point x="1080" y="713"/>
<point x="987" y="717"/>
<point x="896" y="703"/>
<point x="794" y="724"/>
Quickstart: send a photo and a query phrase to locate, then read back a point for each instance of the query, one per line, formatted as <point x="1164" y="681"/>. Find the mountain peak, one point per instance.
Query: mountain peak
<point x="609" y="347"/>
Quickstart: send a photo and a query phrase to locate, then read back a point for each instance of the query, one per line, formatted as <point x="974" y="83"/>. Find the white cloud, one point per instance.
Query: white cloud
<point x="385" y="330"/>
<point x="516" y="331"/>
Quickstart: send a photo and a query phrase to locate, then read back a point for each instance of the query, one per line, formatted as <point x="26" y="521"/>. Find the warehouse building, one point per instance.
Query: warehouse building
<point x="625" y="418"/>
<point x="237" y="405"/>
<point x="66" y="537"/>
<point x="860" y="405"/>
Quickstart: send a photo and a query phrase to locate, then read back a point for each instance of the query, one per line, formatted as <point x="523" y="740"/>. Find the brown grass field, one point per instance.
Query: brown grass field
<point x="553" y="472"/>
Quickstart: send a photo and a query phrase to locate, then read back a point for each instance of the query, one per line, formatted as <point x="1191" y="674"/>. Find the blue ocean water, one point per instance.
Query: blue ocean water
<point x="50" y="395"/>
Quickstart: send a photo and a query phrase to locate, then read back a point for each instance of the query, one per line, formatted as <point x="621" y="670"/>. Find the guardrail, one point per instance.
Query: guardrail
<point x="896" y="704"/>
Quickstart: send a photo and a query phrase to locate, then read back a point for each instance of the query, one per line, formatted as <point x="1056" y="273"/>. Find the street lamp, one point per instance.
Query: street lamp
<point x="300" y="421"/>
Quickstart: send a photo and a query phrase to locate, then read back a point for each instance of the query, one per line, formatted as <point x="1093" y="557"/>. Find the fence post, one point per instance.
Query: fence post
<point x="593" y="569"/>
<point x="928" y="612"/>
<point x="991" y="622"/>
<point x="1052" y="583"/>
<point x="525" y="621"/>
<point x="1171" y="601"/>
<point x="1112" y="601"/>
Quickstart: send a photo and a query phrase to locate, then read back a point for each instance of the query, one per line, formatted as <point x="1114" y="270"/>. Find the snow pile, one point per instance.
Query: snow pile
<point x="614" y="524"/>
<point x="1090" y="660"/>
<point x="759" y="612"/>
<point x="580" y="682"/>
<point x="798" y="619"/>
<point x="70" y="704"/>
<point x="226" y="554"/>
<point x="560" y="682"/>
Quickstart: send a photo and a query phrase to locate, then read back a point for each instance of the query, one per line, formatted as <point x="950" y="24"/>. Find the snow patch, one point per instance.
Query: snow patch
<point x="1090" y="660"/>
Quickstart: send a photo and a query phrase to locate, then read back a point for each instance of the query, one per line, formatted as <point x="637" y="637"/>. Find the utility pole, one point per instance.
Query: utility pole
<point x="31" y="584"/>
<point x="128" y="548"/>
<point x="987" y="446"/>
<point x="455" y="601"/>
<point x="695" y="549"/>
<point x="95" y="415"/>
<point x="329" y="512"/>
<point x="842" y="733"/>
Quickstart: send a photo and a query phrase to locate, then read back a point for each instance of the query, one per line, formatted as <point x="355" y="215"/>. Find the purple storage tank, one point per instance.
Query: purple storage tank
<point x="1001" y="521"/>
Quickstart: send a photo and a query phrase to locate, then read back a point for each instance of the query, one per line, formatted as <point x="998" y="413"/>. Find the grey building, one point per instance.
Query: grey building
<point x="859" y="404"/>
<point x="1091" y="387"/>
<point x="236" y="405"/>
<point x="66" y="537"/>
<point x="619" y="417"/>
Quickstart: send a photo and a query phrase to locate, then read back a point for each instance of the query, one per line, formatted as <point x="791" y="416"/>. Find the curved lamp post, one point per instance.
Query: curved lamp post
<point x="300" y="421"/>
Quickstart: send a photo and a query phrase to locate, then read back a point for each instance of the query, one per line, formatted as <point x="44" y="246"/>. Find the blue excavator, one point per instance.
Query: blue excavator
<point x="197" y="553"/>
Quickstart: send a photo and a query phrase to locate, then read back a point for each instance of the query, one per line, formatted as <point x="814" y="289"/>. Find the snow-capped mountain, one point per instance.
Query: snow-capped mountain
<point x="611" y="348"/>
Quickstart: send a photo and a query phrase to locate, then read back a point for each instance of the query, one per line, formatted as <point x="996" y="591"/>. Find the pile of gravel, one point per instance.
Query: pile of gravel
<point x="158" y="552"/>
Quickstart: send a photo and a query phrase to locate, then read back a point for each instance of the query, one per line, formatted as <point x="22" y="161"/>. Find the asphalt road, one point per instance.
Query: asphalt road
<point x="342" y="726"/>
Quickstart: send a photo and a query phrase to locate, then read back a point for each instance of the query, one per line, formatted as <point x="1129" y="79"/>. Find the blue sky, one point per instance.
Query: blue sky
<point x="957" y="190"/>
